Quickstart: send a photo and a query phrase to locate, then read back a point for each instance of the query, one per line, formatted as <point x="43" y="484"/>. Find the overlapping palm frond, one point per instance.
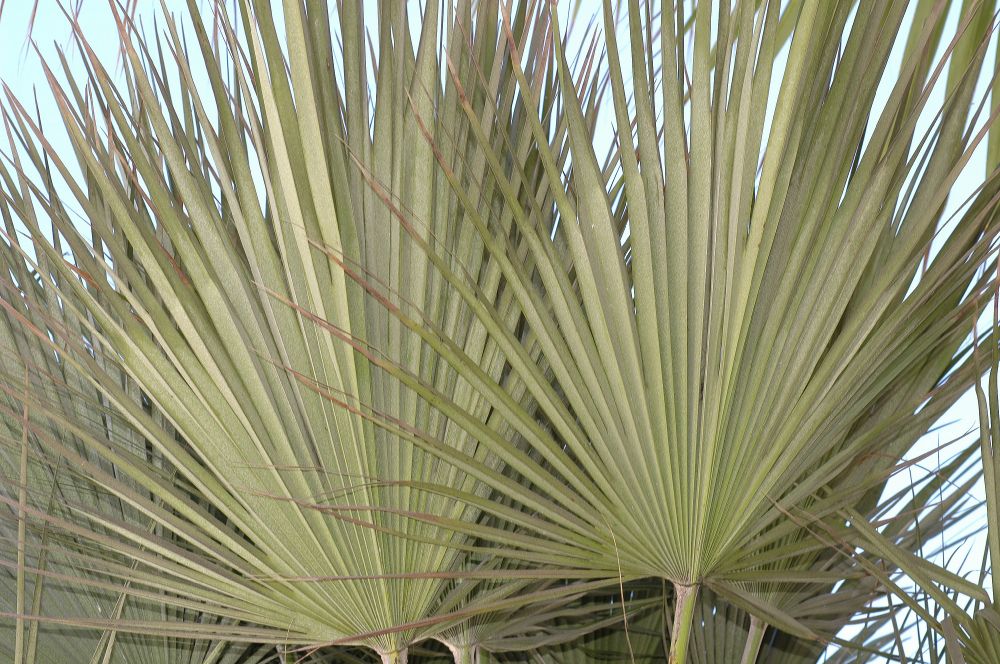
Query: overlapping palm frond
<point x="641" y="642"/>
<point x="959" y="619"/>
<point x="341" y="342"/>
<point x="54" y="488"/>
<point x="221" y="302"/>
<point x="747" y="324"/>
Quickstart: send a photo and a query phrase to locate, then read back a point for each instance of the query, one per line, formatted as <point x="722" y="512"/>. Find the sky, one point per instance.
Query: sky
<point x="21" y="71"/>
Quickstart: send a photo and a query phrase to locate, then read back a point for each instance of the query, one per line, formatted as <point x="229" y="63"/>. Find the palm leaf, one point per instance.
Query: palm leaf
<point x="345" y="324"/>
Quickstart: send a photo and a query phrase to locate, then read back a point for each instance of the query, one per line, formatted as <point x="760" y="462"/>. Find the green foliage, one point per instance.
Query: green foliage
<point x="347" y="342"/>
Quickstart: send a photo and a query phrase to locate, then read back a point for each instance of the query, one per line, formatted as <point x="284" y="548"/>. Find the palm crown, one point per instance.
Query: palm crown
<point x="365" y="342"/>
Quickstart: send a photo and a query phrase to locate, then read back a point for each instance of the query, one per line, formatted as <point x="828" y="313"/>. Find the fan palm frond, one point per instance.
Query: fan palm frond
<point x="365" y="340"/>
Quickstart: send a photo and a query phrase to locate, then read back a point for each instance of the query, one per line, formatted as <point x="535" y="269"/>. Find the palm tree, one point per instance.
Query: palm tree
<point x="363" y="342"/>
